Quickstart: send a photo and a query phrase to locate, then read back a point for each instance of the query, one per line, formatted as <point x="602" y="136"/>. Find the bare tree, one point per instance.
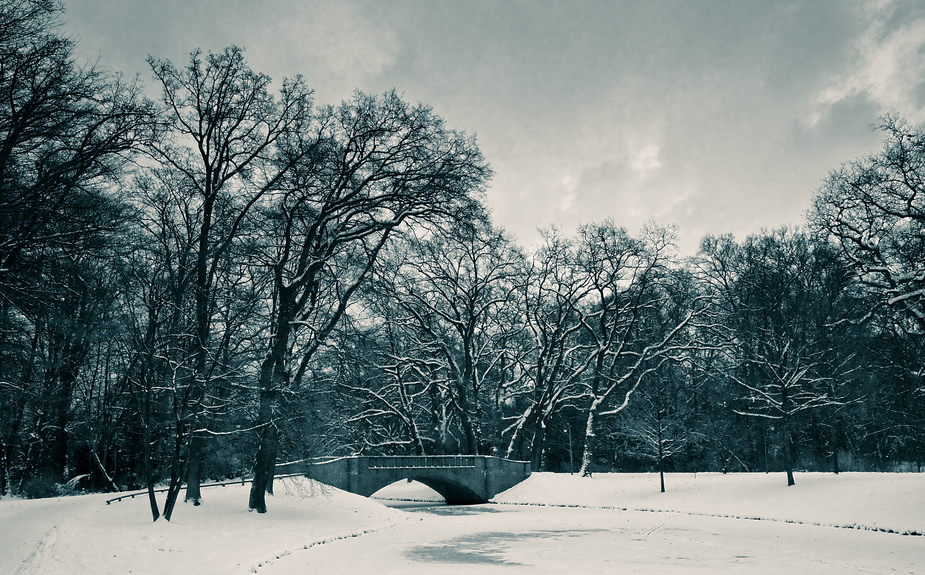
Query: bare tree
<point x="779" y="291"/>
<point x="656" y="427"/>
<point x="874" y="208"/>
<point x="368" y="167"/>
<point x="550" y="366"/>
<point x="221" y="126"/>
<point x="451" y="288"/>
<point x="637" y="316"/>
<point x="66" y="134"/>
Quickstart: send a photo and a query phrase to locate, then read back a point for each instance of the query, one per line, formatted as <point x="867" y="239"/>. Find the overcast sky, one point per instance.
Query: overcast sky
<point x="717" y="116"/>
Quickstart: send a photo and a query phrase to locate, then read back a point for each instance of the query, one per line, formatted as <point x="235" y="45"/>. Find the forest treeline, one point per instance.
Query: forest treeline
<point x="231" y="275"/>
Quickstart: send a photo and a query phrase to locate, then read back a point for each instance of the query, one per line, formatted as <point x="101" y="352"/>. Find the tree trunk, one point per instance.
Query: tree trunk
<point x="265" y="460"/>
<point x="194" y="471"/>
<point x="273" y="377"/>
<point x="177" y="468"/>
<point x="263" y="469"/>
<point x="539" y="437"/>
<point x="149" y="469"/>
<point x="465" y="416"/>
<point x="661" y="446"/>
<point x="59" y="408"/>
<point x="587" y="457"/>
<point x="789" y="458"/>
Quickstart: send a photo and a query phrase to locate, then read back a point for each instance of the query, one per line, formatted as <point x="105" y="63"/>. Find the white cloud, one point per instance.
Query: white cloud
<point x="888" y="68"/>
<point x="327" y="40"/>
<point x="646" y="159"/>
<point x="568" y="186"/>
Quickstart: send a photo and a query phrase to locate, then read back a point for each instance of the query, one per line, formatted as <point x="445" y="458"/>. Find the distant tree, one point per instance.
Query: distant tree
<point x="451" y="294"/>
<point x="780" y="292"/>
<point x="635" y="317"/>
<point x="657" y="427"/>
<point x="550" y="288"/>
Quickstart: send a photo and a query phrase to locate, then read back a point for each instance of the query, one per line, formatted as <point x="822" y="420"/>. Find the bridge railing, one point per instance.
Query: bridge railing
<point x="414" y="462"/>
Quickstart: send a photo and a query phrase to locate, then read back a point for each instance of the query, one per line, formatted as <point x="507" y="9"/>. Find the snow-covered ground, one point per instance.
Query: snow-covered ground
<point x="550" y="523"/>
<point x="83" y="535"/>
<point x="879" y="501"/>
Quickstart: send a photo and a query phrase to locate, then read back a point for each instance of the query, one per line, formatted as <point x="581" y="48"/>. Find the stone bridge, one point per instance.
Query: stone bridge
<point x="460" y="479"/>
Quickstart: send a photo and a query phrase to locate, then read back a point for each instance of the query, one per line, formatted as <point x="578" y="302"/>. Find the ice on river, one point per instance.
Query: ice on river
<point x="551" y="523"/>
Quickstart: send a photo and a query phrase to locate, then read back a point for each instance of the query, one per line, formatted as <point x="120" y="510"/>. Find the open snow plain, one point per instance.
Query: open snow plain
<point x="551" y="523"/>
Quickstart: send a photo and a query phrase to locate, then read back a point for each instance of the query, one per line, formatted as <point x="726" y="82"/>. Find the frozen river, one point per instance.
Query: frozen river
<point x="532" y="539"/>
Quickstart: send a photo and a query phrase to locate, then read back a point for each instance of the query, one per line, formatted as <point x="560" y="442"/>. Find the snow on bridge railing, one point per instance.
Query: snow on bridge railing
<point x="420" y="462"/>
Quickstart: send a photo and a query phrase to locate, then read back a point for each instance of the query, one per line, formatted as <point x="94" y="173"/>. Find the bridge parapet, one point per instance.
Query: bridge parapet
<point x="420" y="462"/>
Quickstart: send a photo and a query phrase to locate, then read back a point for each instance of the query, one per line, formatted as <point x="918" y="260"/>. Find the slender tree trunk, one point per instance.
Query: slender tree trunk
<point x="587" y="456"/>
<point x="177" y="469"/>
<point x="146" y="377"/>
<point x="4" y="468"/>
<point x="149" y="471"/>
<point x="204" y="280"/>
<point x="539" y="439"/>
<point x="788" y="457"/>
<point x="661" y="445"/>
<point x="60" y="407"/>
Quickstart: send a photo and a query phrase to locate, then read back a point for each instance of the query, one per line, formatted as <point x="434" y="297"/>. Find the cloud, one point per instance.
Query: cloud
<point x="332" y="43"/>
<point x="568" y="193"/>
<point x="646" y="159"/>
<point x="631" y="187"/>
<point x="888" y="67"/>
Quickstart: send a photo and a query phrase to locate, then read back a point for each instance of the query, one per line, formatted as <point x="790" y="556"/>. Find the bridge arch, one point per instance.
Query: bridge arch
<point x="453" y="492"/>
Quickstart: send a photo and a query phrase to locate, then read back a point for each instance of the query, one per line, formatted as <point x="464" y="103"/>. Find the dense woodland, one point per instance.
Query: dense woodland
<point x="210" y="274"/>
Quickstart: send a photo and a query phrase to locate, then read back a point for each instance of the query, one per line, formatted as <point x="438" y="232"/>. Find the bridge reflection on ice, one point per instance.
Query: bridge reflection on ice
<point x="414" y="506"/>
<point x="408" y="495"/>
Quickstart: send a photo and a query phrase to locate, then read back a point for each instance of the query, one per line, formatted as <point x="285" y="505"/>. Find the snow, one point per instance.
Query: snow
<point x="82" y="534"/>
<point x="876" y="501"/>
<point x="549" y="523"/>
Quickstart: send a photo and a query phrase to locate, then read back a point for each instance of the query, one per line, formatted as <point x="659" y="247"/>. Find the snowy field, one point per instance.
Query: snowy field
<point x="551" y="523"/>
